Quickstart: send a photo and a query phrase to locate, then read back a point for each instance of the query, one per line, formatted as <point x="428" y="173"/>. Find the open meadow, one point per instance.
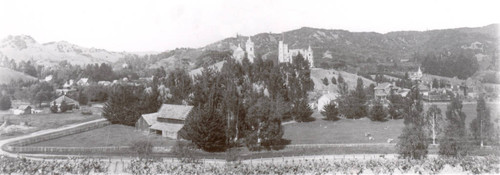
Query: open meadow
<point x="112" y="135"/>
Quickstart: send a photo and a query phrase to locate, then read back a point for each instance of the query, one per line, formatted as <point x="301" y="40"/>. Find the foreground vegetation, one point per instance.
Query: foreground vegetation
<point x="69" y="166"/>
<point x="324" y="166"/>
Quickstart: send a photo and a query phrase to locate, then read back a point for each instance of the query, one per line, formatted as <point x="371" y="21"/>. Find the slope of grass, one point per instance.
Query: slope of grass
<point x="6" y="75"/>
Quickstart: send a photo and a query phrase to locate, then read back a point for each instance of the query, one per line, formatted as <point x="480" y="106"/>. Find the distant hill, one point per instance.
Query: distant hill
<point x="24" y="48"/>
<point x="6" y="75"/>
<point x="351" y="47"/>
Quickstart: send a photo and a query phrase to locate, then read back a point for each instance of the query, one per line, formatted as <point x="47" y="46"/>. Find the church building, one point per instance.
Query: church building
<point x="239" y="54"/>
<point x="286" y="55"/>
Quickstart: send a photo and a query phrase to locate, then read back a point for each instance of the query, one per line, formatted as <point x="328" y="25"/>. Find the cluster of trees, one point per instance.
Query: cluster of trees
<point x="461" y="65"/>
<point x="451" y="131"/>
<point x="245" y="103"/>
<point x="352" y="104"/>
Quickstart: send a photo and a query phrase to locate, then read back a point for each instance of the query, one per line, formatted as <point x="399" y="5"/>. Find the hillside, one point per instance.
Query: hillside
<point x="6" y="75"/>
<point x="354" y="47"/>
<point x="318" y="74"/>
<point x="24" y="48"/>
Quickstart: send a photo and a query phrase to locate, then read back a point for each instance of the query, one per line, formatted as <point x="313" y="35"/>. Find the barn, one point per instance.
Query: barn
<point x="167" y="122"/>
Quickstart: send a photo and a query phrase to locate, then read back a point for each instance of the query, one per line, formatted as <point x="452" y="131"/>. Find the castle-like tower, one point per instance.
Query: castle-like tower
<point x="286" y="55"/>
<point x="249" y="48"/>
<point x="238" y="53"/>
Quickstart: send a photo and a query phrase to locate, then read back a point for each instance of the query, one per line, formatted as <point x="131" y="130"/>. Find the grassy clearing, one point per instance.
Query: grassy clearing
<point x="353" y="131"/>
<point x="342" y="131"/>
<point x="112" y="135"/>
<point x="45" y="121"/>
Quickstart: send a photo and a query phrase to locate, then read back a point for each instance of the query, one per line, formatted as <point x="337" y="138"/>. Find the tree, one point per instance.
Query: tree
<point x="330" y="111"/>
<point x="325" y="81"/>
<point x="206" y="127"/>
<point x="334" y="81"/>
<point x="412" y="141"/>
<point x="264" y="119"/>
<point x="359" y="99"/>
<point x="377" y="112"/>
<point x="340" y="79"/>
<point x="180" y="84"/>
<point x="82" y="98"/>
<point x="301" y="111"/>
<point x="64" y="106"/>
<point x="454" y="143"/>
<point x="481" y="127"/>
<point x="5" y="103"/>
<point x="42" y="92"/>
<point x="435" y="83"/>
<point x="121" y="108"/>
<point x="434" y="122"/>
<point x="53" y="108"/>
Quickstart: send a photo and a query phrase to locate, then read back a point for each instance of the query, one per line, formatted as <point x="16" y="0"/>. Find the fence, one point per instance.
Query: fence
<point x="19" y="145"/>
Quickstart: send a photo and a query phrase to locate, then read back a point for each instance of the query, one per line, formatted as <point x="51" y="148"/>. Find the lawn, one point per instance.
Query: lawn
<point x="45" y="121"/>
<point x="353" y="131"/>
<point x="112" y="135"/>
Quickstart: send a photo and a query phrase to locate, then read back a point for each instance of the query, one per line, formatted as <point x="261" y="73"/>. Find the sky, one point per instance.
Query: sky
<point x="154" y="25"/>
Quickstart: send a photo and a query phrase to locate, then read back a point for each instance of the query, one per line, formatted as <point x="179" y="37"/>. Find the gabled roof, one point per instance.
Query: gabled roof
<point x="179" y="112"/>
<point x="150" y="118"/>
<point x="65" y="98"/>
<point x="23" y="107"/>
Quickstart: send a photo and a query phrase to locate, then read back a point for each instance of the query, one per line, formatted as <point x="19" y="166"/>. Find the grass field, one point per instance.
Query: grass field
<point x="353" y="131"/>
<point x="112" y="135"/>
<point x="45" y="121"/>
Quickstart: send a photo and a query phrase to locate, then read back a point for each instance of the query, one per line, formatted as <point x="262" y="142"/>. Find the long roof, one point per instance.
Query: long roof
<point x="179" y="112"/>
<point x="66" y="99"/>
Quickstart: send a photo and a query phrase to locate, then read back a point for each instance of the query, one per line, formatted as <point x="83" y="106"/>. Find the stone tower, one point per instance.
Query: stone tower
<point x="249" y="48"/>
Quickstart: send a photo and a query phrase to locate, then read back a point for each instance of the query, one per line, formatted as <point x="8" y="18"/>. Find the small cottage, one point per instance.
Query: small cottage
<point x="70" y="102"/>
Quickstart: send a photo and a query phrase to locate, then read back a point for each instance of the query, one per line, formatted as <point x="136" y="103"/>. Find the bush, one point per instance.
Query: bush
<point x="5" y="103"/>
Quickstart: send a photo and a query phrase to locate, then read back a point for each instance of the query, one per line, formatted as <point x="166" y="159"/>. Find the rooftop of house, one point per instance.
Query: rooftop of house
<point x="179" y="112"/>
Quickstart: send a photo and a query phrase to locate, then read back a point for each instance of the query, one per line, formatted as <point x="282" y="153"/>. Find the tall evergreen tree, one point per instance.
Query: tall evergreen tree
<point x="454" y="142"/>
<point x="359" y="97"/>
<point x="377" y="112"/>
<point x="481" y="127"/>
<point x="412" y="142"/>
<point x="121" y="107"/>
